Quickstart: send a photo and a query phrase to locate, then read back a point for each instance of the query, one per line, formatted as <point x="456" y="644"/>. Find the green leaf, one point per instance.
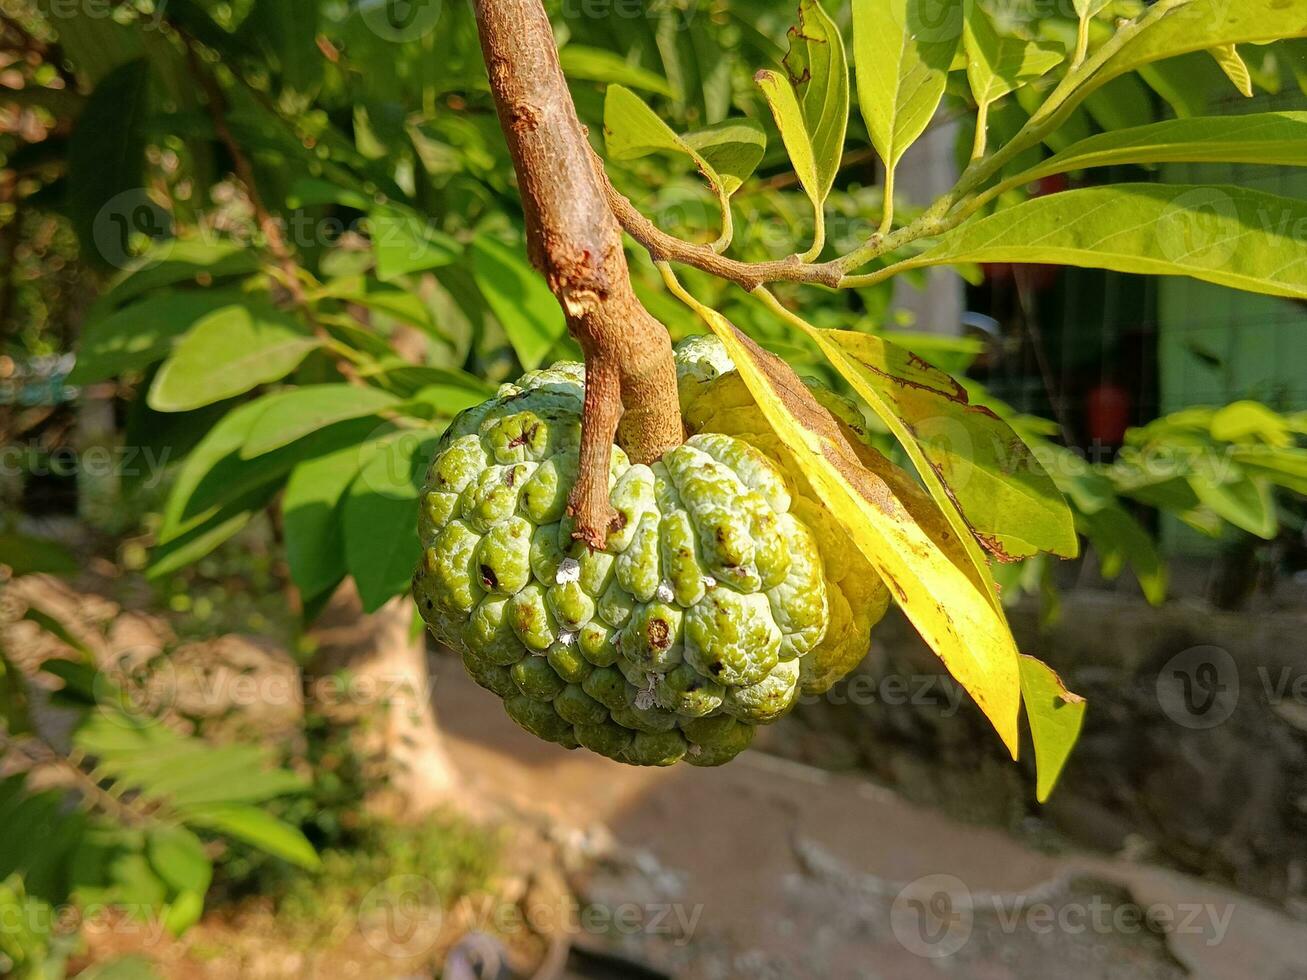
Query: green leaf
<point x="59" y="631"/>
<point x="179" y="859"/>
<point x="1245" y="421"/>
<point x="261" y="829"/>
<point x="405" y="242"/>
<point x="121" y="968"/>
<point x="519" y="298"/>
<point x="1001" y="63"/>
<point x="1055" y="716"/>
<point x="1239" y="499"/>
<point x="1277" y="138"/>
<point x="1086" y="9"/>
<point x="819" y="71"/>
<point x="27" y="555"/>
<point x="902" y="51"/>
<point x="1231" y="236"/>
<point x="184" y="911"/>
<point x="200" y="538"/>
<point x="177" y="262"/>
<point x="216" y="478"/>
<point x="135" y="336"/>
<point x="106" y="160"/>
<point x="380" y="516"/>
<point x="632" y="130"/>
<point x="389" y="300"/>
<point x="1285" y="467"/>
<point x="227" y="353"/>
<point x="971" y="461"/>
<point x="1227" y="56"/>
<point x="1200" y="25"/>
<point x="733" y="148"/>
<point x="315" y="540"/>
<point x="784" y="104"/>
<point x="598" y="65"/>
<point x="296" y="414"/>
<point x="1119" y="540"/>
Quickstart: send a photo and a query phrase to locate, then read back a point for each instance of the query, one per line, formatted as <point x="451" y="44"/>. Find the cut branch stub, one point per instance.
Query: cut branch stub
<point x="576" y="243"/>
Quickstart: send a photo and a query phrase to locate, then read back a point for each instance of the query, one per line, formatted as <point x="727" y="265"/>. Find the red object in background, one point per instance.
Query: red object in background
<point x="1108" y="409"/>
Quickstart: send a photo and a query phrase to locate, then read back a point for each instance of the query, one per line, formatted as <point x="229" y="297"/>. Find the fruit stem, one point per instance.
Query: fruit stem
<point x="575" y="241"/>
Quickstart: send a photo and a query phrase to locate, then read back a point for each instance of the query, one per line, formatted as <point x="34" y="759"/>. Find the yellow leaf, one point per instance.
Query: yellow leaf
<point x="1232" y="63"/>
<point x="893" y="522"/>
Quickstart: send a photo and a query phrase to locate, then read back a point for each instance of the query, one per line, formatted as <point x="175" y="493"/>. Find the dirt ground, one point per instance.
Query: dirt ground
<point x="765" y="868"/>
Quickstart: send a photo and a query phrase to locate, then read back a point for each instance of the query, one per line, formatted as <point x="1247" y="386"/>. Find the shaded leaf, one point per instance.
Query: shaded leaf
<point x="404" y="242"/>
<point x="106" y="160"/>
<point x="315" y="540"/>
<point x="380" y="515"/>
<point x="598" y="65"/>
<point x="27" y="555"/>
<point x="1000" y="63"/>
<point x="135" y="336"/>
<point x="519" y="298"/>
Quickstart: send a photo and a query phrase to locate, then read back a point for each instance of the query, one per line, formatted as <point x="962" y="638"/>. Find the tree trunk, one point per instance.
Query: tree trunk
<point x="370" y="673"/>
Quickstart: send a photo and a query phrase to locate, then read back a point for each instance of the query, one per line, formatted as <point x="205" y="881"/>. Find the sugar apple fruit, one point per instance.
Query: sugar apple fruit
<point x="723" y="592"/>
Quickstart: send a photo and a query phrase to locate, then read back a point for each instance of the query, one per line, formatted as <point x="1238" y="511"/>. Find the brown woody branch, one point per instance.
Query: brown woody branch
<point x="576" y="243"/>
<point x="748" y="275"/>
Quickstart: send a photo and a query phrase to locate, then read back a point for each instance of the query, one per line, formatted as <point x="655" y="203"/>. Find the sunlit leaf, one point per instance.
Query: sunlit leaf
<point x="1259" y="138"/>
<point x="896" y="526"/>
<point x="295" y="414"/>
<point x="1232" y="236"/>
<point x="227" y="353"/>
<point x="977" y="469"/>
<point x="999" y="63"/>
<point x="902" y="52"/>
<point x="1056" y="717"/>
<point x="1203" y="24"/>
<point x="1228" y="57"/>
<point x="819" y="71"/>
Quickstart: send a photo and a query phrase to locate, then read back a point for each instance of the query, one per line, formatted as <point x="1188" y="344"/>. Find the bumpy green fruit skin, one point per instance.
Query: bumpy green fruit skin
<point x="722" y="593"/>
